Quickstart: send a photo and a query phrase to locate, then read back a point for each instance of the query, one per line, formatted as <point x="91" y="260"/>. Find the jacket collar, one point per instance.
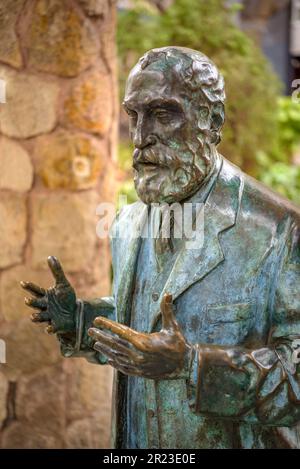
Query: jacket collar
<point x="220" y="212"/>
<point x="191" y="265"/>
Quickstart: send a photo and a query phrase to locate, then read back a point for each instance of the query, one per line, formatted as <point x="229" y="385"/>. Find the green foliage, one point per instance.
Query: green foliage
<point x="207" y="25"/>
<point x="276" y="168"/>
<point x="288" y="117"/>
<point x="283" y="178"/>
<point x="125" y="150"/>
<point x="260" y="132"/>
<point x="128" y="190"/>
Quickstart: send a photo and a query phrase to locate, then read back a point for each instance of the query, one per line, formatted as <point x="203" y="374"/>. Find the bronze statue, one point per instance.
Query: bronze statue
<point x="204" y="340"/>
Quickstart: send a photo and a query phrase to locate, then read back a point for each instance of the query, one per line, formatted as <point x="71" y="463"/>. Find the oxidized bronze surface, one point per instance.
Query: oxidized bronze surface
<point x="205" y="337"/>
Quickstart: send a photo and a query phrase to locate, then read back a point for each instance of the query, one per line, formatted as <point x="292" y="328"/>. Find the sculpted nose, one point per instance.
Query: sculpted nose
<point x="137" y="138"/>
<point x="141" y="136"/>
<point x="138" y="133"/>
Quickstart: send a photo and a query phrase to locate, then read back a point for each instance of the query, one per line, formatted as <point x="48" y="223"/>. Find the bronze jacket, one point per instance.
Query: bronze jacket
<point x="237" y="301"/>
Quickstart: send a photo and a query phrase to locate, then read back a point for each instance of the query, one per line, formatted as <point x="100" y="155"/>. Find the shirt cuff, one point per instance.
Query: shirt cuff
<point x="79" y="325"/>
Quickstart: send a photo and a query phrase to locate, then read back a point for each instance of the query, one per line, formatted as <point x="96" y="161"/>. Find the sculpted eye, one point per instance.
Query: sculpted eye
<point x="163" y="115"/>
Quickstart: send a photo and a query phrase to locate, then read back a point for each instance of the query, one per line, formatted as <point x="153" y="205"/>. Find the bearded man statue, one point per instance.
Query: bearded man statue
<point x="204" y="337"/>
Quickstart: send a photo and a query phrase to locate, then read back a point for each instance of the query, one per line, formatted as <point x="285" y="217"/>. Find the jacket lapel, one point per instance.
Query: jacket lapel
<point x="220" y="212"/>
<point x="126" y="241"/>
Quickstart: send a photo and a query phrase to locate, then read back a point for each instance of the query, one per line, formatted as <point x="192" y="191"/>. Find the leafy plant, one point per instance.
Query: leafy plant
<point x="261" y="131"/>
<point x="276" y="165"/>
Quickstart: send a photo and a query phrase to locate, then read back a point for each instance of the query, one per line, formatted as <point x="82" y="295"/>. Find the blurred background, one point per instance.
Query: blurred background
<point x="64" y="148"/>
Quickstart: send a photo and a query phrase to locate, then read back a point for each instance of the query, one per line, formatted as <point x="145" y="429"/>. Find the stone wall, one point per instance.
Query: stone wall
<point x="57" y="144"/>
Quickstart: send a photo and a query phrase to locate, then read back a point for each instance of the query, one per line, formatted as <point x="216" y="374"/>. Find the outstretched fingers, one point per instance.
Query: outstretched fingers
<point x="122" y="364"/>
<point x="36" y="303"/>
<point x="33" y="289"/>
<point x="42" y="316"/>
<point x="115" y="344"/>
<point x="57" y="271"/>
<point x="137" y="339"/>
<point x="51" y="329"/>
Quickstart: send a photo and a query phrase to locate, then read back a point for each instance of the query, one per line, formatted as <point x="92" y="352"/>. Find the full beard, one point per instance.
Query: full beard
<point x="164" y="175"/>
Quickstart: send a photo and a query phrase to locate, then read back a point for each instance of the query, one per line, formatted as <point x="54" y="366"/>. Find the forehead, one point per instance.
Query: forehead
<point x="144" y="86"/>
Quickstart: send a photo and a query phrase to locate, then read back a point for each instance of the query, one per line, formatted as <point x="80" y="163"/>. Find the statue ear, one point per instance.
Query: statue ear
<point x="217" y="121"/>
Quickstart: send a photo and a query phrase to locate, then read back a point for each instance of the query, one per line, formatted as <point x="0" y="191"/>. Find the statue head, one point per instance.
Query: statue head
<point x="175" y="100"/>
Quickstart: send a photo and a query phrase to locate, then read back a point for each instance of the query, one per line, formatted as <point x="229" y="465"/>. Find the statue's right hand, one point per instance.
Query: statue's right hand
<point x="56" y="305"/>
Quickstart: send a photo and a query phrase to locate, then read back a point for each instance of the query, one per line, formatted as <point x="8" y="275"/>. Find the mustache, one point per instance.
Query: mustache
<point x="153" y="156"/>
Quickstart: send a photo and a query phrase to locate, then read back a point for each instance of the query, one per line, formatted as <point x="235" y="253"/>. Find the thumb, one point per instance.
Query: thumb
<point x="167" y="313"/>
<point x="57" y="271"/>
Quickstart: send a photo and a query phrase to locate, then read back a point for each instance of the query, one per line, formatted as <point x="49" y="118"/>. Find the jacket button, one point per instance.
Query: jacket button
<point x="151" y="413"/>
<point x="155" y="296"/>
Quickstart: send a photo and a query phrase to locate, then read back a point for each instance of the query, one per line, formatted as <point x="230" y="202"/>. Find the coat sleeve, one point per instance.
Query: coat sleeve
<point x="81" y="344"/>
<point x="262" y="385"/>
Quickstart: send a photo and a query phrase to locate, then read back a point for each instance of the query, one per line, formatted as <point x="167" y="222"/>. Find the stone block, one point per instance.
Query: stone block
<point x="30" y="107"/>
<point x="16" y="168"/>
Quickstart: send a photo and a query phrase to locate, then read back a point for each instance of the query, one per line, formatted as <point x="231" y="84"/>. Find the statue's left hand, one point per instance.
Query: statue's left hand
<point x="160" y="355"/>
<point x="56" y="305"/>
